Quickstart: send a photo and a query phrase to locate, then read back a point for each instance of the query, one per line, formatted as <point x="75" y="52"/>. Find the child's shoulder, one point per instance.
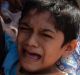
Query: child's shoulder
<point x="71" y="64"/>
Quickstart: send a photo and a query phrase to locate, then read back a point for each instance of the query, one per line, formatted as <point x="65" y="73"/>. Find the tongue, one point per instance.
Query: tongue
<point x="34" y="56"/>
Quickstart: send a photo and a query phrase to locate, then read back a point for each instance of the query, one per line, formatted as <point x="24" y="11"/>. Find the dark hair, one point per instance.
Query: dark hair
<point x="65" y="12"/>
<point x="2" y="46"/>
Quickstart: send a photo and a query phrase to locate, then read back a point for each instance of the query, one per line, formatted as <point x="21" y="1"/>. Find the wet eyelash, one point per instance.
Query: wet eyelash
<point x="46" y="35"/>
<point x="25" y="28"/>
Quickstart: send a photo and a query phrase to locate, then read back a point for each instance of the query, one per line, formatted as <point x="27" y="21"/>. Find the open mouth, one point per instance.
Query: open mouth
<point x="31" y="55"/>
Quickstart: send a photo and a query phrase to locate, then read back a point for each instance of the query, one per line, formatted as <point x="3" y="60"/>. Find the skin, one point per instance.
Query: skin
<point x="37" y="34"/>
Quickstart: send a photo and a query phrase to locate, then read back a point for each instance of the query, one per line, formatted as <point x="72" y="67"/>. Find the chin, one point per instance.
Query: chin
<point x="30" y="67"/>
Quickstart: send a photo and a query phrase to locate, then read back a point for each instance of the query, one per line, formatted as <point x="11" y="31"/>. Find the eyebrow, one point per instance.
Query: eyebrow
<point x="48" y="30"/>
<point x="23" y="24"/>
<point x="44" y="30"/>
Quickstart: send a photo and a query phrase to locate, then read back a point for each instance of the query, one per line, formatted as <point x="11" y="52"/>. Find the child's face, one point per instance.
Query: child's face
<point x="39" y="43"/>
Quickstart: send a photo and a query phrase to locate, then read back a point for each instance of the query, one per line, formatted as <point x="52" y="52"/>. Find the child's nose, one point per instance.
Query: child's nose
<point x="32" y="41"/>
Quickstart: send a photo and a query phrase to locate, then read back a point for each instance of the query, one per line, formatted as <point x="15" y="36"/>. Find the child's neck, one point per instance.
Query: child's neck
<point x="56" y="71"/>
<point x="53" y="71"/>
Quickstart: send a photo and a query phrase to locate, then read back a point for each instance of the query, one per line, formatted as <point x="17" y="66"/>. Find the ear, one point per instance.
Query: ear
<point x="70" y="48"/>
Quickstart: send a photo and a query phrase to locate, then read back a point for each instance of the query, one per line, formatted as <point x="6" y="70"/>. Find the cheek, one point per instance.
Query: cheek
<point x="52" y="54"/>
<point x="20" y="41"/>
<point x="20" y="38"/>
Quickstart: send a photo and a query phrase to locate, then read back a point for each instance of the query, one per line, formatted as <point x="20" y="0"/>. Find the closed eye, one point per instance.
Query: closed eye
<point x="25" y="29"/>
<point x="47" y="35"/>
<point x="24" y="25"/>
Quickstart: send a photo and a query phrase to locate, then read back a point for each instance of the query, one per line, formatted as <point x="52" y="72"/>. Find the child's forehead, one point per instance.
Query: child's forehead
<point x="47" y="15"/>
<point x="37" y="11"/>
<point x="44" y="16"/>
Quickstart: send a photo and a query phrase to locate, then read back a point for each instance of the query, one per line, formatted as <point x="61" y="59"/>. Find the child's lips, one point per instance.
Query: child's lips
<point x="32" y="55"/>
